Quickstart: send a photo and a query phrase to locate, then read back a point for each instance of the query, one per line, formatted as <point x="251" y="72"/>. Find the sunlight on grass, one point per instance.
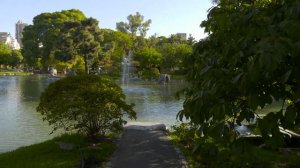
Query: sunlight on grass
<point x="48" y="154"/>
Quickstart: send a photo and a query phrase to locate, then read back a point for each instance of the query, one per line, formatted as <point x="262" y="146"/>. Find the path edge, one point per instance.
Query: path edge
<point x="183" y="162"/>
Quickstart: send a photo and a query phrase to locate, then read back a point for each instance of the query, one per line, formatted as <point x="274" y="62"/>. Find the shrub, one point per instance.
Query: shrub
<point x="150" y="73"/>
<point x="90" y="104"/>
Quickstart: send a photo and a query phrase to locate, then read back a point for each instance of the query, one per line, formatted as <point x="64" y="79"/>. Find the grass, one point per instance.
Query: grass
<point x="177" y="77"/>
<point x="13" y="73"/>
<point x="49" y="155"/>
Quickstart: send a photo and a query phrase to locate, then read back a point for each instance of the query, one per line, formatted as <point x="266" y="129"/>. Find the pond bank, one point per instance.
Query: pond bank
<point x="13" y="73"/>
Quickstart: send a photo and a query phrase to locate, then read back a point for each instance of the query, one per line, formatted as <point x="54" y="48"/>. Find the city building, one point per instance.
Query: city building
<point x="6" y="38"/>
<point x="3" y="37"/>
<point x="19" y="30"/>
<point x="183" y="36"/>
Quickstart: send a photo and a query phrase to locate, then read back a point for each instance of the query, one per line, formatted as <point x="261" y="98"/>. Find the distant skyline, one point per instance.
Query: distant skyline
<point x="168" y="16"/>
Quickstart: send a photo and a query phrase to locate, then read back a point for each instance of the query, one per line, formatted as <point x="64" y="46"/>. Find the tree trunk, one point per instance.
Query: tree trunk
<point x="86" y="64"/>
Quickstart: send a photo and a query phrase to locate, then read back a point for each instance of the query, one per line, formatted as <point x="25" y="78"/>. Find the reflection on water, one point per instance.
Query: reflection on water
<point x="21" y="125"/>
<point x="154" y="102"/>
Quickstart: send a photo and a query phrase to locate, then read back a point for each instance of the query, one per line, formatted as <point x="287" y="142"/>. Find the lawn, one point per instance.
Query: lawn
<point x="49" y="155"/>
<point x="13" y="73"/>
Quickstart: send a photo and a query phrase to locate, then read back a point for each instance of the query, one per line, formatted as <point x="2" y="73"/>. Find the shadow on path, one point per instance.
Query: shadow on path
<point x="145" y="148"/>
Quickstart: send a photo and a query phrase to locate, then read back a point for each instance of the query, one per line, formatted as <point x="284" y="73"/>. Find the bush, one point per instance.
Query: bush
<point x="150" y="73"/>
<point x="90" y="104"/>
<point x="207" y="153"/>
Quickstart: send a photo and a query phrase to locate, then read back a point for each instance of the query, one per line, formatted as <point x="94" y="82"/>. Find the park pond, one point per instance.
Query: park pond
<point x="21" y="125"/>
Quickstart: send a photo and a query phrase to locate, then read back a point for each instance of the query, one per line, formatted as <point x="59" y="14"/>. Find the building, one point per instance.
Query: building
<point x="3" y="37"/>
<point x="6" y="38"/>
<point x="19" y="30"/>
<point x="183" y="36"/>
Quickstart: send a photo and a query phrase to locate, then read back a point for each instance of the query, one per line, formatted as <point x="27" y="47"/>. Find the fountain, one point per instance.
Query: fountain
<point x="126" y="68"/>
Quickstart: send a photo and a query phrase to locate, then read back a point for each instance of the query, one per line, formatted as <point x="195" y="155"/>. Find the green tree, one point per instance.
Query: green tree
<point x="39" y="39"/>
<point x="249" y="60"/>
<point x="115" y="45"/>
<point x="191" y="40"/>
<point x="122" y="27"/>
<point x="168" y="51"/>
<point x="148" y="58"/>
<point x="148" y="62"/>
<point x="5" y="53"/>
<point x="137" y="27"/>
<point x="90" y="104"/>
<point x="16" y="58"/>
<point x="80" y="38"/>
<point x="173" y="55"/>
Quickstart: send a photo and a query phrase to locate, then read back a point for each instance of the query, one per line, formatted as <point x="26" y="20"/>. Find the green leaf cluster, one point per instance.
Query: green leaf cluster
<point x="39" y="40"/>
<point x="5" y="53"/>
<point x="68" y="40"/>
<point x="90" y="104"/>
<point x="79" y="38"/>
<point x="115" y="45"/>
<point x="9" y="57"/>
<point x="249" y="60"/>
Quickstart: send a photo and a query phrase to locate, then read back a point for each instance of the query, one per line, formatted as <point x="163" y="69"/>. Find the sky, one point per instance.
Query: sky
<point x="168" y="16"/>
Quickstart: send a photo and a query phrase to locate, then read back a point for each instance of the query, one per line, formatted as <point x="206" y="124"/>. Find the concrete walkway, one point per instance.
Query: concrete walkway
<point x="145" y="145"/>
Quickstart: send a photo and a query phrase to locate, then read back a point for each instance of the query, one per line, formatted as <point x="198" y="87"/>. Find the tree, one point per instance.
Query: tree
<point x="79" y="38"/>
<point x="39" y="39"/>
<point x="168" y="51"/>
<point x="16" y="58"/>
<point x="90" y="104"/>
<point x="148" y="62"/>
<point x="122" y="27"/>
<point x="191" y="40"/>
<point x="174" y="54"/>
<point x="5" y="54"/>
<point x="137" y="27"/>
<point x="115" y="45"/>
<point x="148" y="58"/>
<point x="249" y="60"/>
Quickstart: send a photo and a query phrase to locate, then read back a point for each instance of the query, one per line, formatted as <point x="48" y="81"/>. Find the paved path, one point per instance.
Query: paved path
<point x="145" y="145"/>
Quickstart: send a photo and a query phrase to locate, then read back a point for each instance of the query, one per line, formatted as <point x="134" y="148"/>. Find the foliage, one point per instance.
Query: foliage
<point x="148" y="57"/>
<point x="174" y="54"/>
<point x="39" y="39"/>
<point x="137" y="27"/>
<point x="152" y="73"/>
<point x="136" y="24"/>
<point x="90" y="104"/>
<point x="48" y="154"/>
<point x="16" y="58"/>
<point x="211" y="155"/>
<point x="5" y="54"/>
<point x="147" y="61"/>
<point x="79" y="38"/>
<point x="249" y="60"/>
<point x="116" y="44"/>
<point x="58" y="39"/>
<point x="10" y="57"/>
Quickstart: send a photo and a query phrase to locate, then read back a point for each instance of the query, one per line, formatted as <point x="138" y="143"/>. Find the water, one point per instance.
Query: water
<point x="154" y="103"/>
<point x="126" y="68"/>
<point x="21" y="125"/>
